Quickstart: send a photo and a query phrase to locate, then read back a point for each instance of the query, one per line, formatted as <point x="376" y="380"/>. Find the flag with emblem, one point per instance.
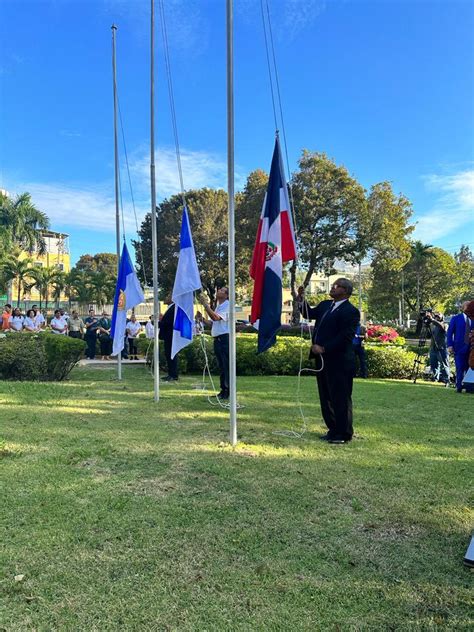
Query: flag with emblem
<point x="187" y="281"/>
<point x="128" y="294"/>
<point x="274" y="246"/>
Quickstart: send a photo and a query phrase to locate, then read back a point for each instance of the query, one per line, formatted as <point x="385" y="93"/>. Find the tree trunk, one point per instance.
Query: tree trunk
<point x="19" y="292"/>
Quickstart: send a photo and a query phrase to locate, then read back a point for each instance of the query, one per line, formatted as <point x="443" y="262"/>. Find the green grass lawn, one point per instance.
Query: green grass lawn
<point x="126" y="515"/>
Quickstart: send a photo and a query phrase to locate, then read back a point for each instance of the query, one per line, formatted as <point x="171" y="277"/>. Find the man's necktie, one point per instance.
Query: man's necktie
<point x="467" y="330"/>
<point x="316" y="331"/>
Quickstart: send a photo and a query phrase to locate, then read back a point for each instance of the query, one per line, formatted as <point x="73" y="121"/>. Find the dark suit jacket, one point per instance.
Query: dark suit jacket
<point x="334" y="330"/>
<point x="166" y="324"/>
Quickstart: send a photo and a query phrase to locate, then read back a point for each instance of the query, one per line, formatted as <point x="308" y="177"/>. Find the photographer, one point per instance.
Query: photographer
<point x="438" y="352"/>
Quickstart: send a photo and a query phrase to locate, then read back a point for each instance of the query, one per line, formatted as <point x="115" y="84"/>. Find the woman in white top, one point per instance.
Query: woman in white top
<point x="15" y="321"/>
<point x="150" y="328"/>
<point x="58" y="324"/>
<point x="133" y="329"/>
<point x="30" y="323"/>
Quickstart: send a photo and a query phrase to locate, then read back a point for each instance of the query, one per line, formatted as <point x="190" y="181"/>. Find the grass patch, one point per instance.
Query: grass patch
<point x="123" y="514"/>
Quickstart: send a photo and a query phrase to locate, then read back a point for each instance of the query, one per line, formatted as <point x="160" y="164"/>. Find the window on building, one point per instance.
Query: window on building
<point x="38" y="264"/>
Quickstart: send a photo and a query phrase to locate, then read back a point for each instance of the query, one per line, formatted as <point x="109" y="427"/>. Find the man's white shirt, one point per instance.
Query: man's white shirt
<point x="337" y="303"/>
<point x="133" y="329"/>
<point x="221" y="326"/>
<point x="61" y="323"/>
<point x="39" y="320"/>
<point x="150" y="330"/>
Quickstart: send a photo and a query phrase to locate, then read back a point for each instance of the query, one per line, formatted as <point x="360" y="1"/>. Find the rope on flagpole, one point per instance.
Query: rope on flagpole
<point x="295" y="434"/>
<point x="169" y="78"/>
<point x="131" y="194"/>
<point x="280" y="107"/>
<point x="213" y="400"/>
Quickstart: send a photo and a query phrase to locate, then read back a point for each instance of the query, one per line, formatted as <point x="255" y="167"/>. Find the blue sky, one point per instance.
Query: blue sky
<point x="384" y="87"/>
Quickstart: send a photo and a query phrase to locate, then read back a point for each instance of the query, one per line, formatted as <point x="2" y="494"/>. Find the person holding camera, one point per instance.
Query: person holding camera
<point x="438" y="352"/>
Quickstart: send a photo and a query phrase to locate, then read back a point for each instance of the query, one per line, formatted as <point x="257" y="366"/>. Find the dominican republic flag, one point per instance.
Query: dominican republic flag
<point x="186" y="282"/>
<point x="128" y="294"/>
<point x="274" y="246"/>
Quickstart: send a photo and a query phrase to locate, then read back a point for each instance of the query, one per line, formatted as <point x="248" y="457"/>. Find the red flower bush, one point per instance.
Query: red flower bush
<point x="384" y="335"/>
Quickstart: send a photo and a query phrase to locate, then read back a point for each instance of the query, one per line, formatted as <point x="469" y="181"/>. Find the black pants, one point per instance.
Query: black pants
<point x="335" y="395"/>
<point x="105" y="345"/>
<point x="171" y="363"/>
<point x="361" y="354"/>
<point x="91" y="340"/>
<point x="221" y="349"/>
<point x="75" y="334"/>
<point x="132" y="347"/>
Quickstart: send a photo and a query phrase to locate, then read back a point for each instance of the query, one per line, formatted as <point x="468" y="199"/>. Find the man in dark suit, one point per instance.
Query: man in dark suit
<point x="166" y="334"/>
<point x="335" y="327"/>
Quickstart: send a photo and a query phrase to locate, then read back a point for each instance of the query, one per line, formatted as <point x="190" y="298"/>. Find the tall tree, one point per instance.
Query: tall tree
<point x="43" y="278"/>
<point x="420" y="257"/>
<point x="21" y="224"/>
<point x="18" y="270"/>
<point x="332" y="219"/>
<point x="208" y="216"/>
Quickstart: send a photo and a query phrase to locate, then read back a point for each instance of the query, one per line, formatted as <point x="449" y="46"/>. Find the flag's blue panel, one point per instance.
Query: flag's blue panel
<point x="182" y="324"/>
<point x="270" y="318"/>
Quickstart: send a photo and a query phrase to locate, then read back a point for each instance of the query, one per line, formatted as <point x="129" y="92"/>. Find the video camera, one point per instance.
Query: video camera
<point x="425" y="316"/>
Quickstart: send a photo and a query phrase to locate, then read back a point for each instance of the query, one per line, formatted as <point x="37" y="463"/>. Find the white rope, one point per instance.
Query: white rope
<point x="295" y="434"/>
<point x="203" y="386"/>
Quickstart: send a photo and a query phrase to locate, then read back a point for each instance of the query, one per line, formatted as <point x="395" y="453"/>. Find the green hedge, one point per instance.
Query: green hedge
<point x="283" y="358"/>
<point x="41" y="356"/>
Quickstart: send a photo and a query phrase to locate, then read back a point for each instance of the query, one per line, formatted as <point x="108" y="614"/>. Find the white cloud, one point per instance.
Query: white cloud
<point x="200" y="169"/>
<point x="93" y="206"/>
<point x="454" y="208"/>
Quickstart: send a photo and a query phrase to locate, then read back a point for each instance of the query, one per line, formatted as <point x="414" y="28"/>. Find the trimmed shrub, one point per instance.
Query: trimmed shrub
<point x="62" y="353"/>
<point x="389" y="361"/>
<point x="41" y="356"/>
<point x="284" y="357"/>
<point x="22" y="357"/>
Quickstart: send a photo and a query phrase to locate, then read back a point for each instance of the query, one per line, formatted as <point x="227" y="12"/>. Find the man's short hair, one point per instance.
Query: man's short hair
<point x="346" y="284"/>
<point x="8" y="305"/>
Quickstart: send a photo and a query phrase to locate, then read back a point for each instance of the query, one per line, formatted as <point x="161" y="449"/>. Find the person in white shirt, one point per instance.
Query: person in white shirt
<point x="40" y="320"/>
<point x="58" y="324"/>
<point x="15" y="321"/>
<point x="30" y="321"/>
<point x="198" y="324"/>
<point x="133" y="329"/>
<point x="220" y="333"/>
<point x="150" y="328"/>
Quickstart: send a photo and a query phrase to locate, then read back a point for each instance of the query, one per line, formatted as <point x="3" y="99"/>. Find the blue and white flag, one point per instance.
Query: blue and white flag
<point x="186" y="282"/>
<point x="128" y="294"/>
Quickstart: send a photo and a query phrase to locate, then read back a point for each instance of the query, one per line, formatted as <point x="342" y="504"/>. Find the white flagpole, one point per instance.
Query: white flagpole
<point x="231" y="227"/>
<point x="156" y="305"/>
<point x="117" y="207"/>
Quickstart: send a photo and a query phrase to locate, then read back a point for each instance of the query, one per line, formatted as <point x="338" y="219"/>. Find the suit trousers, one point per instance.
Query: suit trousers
<point x="221" y="350"/>
<point x="335" y="395"/>
<point x="171" y="363"/>
<point x="461" y="360"/>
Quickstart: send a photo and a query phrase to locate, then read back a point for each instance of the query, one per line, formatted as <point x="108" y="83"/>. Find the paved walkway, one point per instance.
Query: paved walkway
<point x="112" y="362"/>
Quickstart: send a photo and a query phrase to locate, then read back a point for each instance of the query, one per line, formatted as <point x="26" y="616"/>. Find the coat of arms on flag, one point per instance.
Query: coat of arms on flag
<point x="274" y="246"/>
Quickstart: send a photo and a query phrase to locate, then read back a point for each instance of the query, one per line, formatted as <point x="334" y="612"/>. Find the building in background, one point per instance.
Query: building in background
<point x="56" y="255"/>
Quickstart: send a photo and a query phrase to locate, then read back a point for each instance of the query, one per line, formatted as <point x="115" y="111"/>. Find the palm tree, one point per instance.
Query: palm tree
<point x="21" y="223"/>
<point x="103" y="287"/>
<point x="58" y="283"/>
<point x="80" y="287"/>
<point x="420" y="254"/>
<point x="18" y="270"/>
<point x="43" y="279"/>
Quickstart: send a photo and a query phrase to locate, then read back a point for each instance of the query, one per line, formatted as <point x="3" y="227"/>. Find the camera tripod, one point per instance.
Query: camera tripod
<point x="419" y="360"/>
